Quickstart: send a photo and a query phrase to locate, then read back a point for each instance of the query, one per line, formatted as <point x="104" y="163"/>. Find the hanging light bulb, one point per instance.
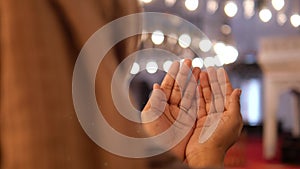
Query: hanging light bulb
<point x="278" y="4"/>
<point x="281" y="18"/>
<point x="191" y="5"/>
<point x="219" y="47"/>
<point x="184" y="40"/>
<point x="135" y="68"/>
<point x="146" y="1"/>
<point x="197" y="62"/>
<point x="230" y="8"/>
<point x="157" y="37"/>
<point x="212" y="6"/>
<point x="265" y="15"/>
<point x="249" y="6"/>
<point x="170" y="3"/>
<point x="205" y="45"/>
<point x="295" y="20"/>
<point x="151" y="67"/>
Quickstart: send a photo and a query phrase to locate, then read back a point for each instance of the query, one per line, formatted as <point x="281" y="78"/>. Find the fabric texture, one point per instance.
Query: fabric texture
<point x="40" y="41"/>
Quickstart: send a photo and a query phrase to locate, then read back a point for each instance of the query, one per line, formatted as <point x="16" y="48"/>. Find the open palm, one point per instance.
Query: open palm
<point x="172" y="105"/>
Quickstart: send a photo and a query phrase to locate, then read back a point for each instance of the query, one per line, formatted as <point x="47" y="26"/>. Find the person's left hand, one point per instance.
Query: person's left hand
<point x="173" y="101"/>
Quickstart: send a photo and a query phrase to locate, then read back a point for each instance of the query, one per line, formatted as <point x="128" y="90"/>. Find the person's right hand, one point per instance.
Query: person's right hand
<point x="219" y="121"/>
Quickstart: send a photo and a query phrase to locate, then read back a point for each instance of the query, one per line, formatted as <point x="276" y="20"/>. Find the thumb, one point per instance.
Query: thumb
<point x="234" y="103"/>
<point x="148" y="105"/>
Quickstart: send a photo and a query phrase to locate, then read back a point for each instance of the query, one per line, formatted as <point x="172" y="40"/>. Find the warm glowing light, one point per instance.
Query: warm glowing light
<point x="265" y="15"/>
<point x="205" y="45"/>
<point x="146" y="1"/>
<point x="278" y="4"/>
<point x="170" y="3"/>
<point x="249" y="6"/>
<point x="167" y="65"/>
<point x="232" y="54"/>
<point x="157" y="37"/>
<point x="151" y="67"/>
<point x="191" y="5"/>
<point x="281" y="18"/>
<point x="219" y="48"/>
<point x="135" y="68"/>
<point x="229" y="55"/>
<point x="212" y="6"/>
<point x="230" y="8"/>
<point x="184" y="40"/>
<point x="226" y="29"/>
<point x="197" y="62"/>
<point x="295" y="20"/>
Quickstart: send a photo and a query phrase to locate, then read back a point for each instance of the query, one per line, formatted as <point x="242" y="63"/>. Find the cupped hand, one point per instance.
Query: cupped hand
<point x="219" y="121"/>
<point x="173" y="105"/>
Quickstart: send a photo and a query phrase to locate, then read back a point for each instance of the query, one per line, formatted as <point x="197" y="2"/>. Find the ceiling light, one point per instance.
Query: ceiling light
<point x="205" y="45"/>
<point x="212" y="6"/>
<point x="197" y="62"/>
<point x="191" y="5"/>
<point x="219" y="48"/>
<point x="157" y="37"/>
<point x="184" y="40"/>
<point x="135" y="68"/>
<point x="281" y="18"/>
<point x="151" y="67"/>
<point x="170" y="3"/>
<point x="295" y="20"/>
<point x="249" y="6"/>
<point x="265" y="15"/>
<point x="278" y="4"/>
<point x="230" y="8"/>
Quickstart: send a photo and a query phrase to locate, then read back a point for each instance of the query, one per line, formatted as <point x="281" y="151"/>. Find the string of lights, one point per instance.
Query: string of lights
<point x="223" y="52"/>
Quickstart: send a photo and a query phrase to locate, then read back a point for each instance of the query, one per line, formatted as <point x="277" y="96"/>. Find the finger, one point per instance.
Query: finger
<point x="234" y="103"/>
<point x="168" y="82"/>
<point x="225" y="85"/>
<point x="206" y="91"/>
<point x="190" y="91"/>
<point x="201" y="103"/>
<point x="180" y="82"/>
<point x="155" y="105"/>
<point x="216" y="90"/>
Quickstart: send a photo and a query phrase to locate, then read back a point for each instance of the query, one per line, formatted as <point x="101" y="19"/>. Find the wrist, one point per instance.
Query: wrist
<point x="206" y="159"/>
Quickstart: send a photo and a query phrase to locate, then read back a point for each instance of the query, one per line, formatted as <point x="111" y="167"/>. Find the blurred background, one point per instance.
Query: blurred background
<point x="258" y="43"/>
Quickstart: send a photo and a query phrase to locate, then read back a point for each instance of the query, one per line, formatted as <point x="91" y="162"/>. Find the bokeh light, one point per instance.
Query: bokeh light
<point x="157" y="37"/>
<point x="135" y="68"/>
<point x="231" y="8"/>
<point x="184" y="40"/>
<point x="212" y="6"/>
<point x="295" y="20"/>
<point x="151" y="67"/>
<point x="205" y="45"/>
<point x="170" y="3"/>
<point x="219" y="48"/>
<point x="197" y="62"/>
<point x="191" y="5"/>
<point x="278" y="4"/>
<point x="265" y="15"/>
